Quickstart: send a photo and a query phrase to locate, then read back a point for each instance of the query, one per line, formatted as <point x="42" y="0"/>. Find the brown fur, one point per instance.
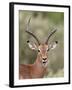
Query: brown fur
<point x="36" y="70"/>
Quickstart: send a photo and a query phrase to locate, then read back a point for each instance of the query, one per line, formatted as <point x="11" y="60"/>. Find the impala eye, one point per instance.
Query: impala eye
<point x="38" y="50"/>
<point x="47" y="49"/>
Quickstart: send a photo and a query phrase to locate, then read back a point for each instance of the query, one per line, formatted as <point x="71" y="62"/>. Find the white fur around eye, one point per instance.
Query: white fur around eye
<point x="39" y="49"/>
<point x="47" y="49"/>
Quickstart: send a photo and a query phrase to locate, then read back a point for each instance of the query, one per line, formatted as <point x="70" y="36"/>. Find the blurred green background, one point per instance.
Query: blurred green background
<point x="41" y="25"/>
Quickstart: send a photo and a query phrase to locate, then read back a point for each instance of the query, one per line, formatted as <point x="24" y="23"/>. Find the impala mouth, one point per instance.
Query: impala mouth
<point x="44" y="61"/>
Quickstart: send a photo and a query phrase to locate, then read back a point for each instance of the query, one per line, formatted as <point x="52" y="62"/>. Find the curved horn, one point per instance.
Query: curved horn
<point x="50" y="35"/>
<point x="27" y="30"/>
<point x="33" y="36"/>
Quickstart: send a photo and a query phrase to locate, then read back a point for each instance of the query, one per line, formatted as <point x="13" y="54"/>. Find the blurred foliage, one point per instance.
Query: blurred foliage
<point x="41" y="24"/>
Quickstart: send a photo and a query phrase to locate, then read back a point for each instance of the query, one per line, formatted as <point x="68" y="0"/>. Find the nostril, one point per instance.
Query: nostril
<point x="44" y="58"/>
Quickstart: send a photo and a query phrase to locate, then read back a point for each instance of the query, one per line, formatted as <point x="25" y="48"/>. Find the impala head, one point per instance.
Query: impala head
<point x="42" y="48"/>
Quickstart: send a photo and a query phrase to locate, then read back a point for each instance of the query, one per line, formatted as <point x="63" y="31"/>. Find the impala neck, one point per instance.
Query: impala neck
<point x="38" y="69"/>
<point x="38" y="62"/>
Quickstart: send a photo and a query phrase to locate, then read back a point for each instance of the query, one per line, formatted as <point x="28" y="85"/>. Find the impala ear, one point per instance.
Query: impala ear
<point x="53" y="46"/>
<point x="33" y="46"/>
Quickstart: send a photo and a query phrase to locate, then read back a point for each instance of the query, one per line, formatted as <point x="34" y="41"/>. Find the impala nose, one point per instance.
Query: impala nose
<point x="44" y="58"/>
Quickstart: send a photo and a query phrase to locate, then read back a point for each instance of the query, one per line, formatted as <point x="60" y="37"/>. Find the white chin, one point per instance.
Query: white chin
<point x="44" y="63"/>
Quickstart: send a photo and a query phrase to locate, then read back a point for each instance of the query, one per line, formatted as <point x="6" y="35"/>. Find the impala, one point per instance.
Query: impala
<point x="39" y="68"/>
